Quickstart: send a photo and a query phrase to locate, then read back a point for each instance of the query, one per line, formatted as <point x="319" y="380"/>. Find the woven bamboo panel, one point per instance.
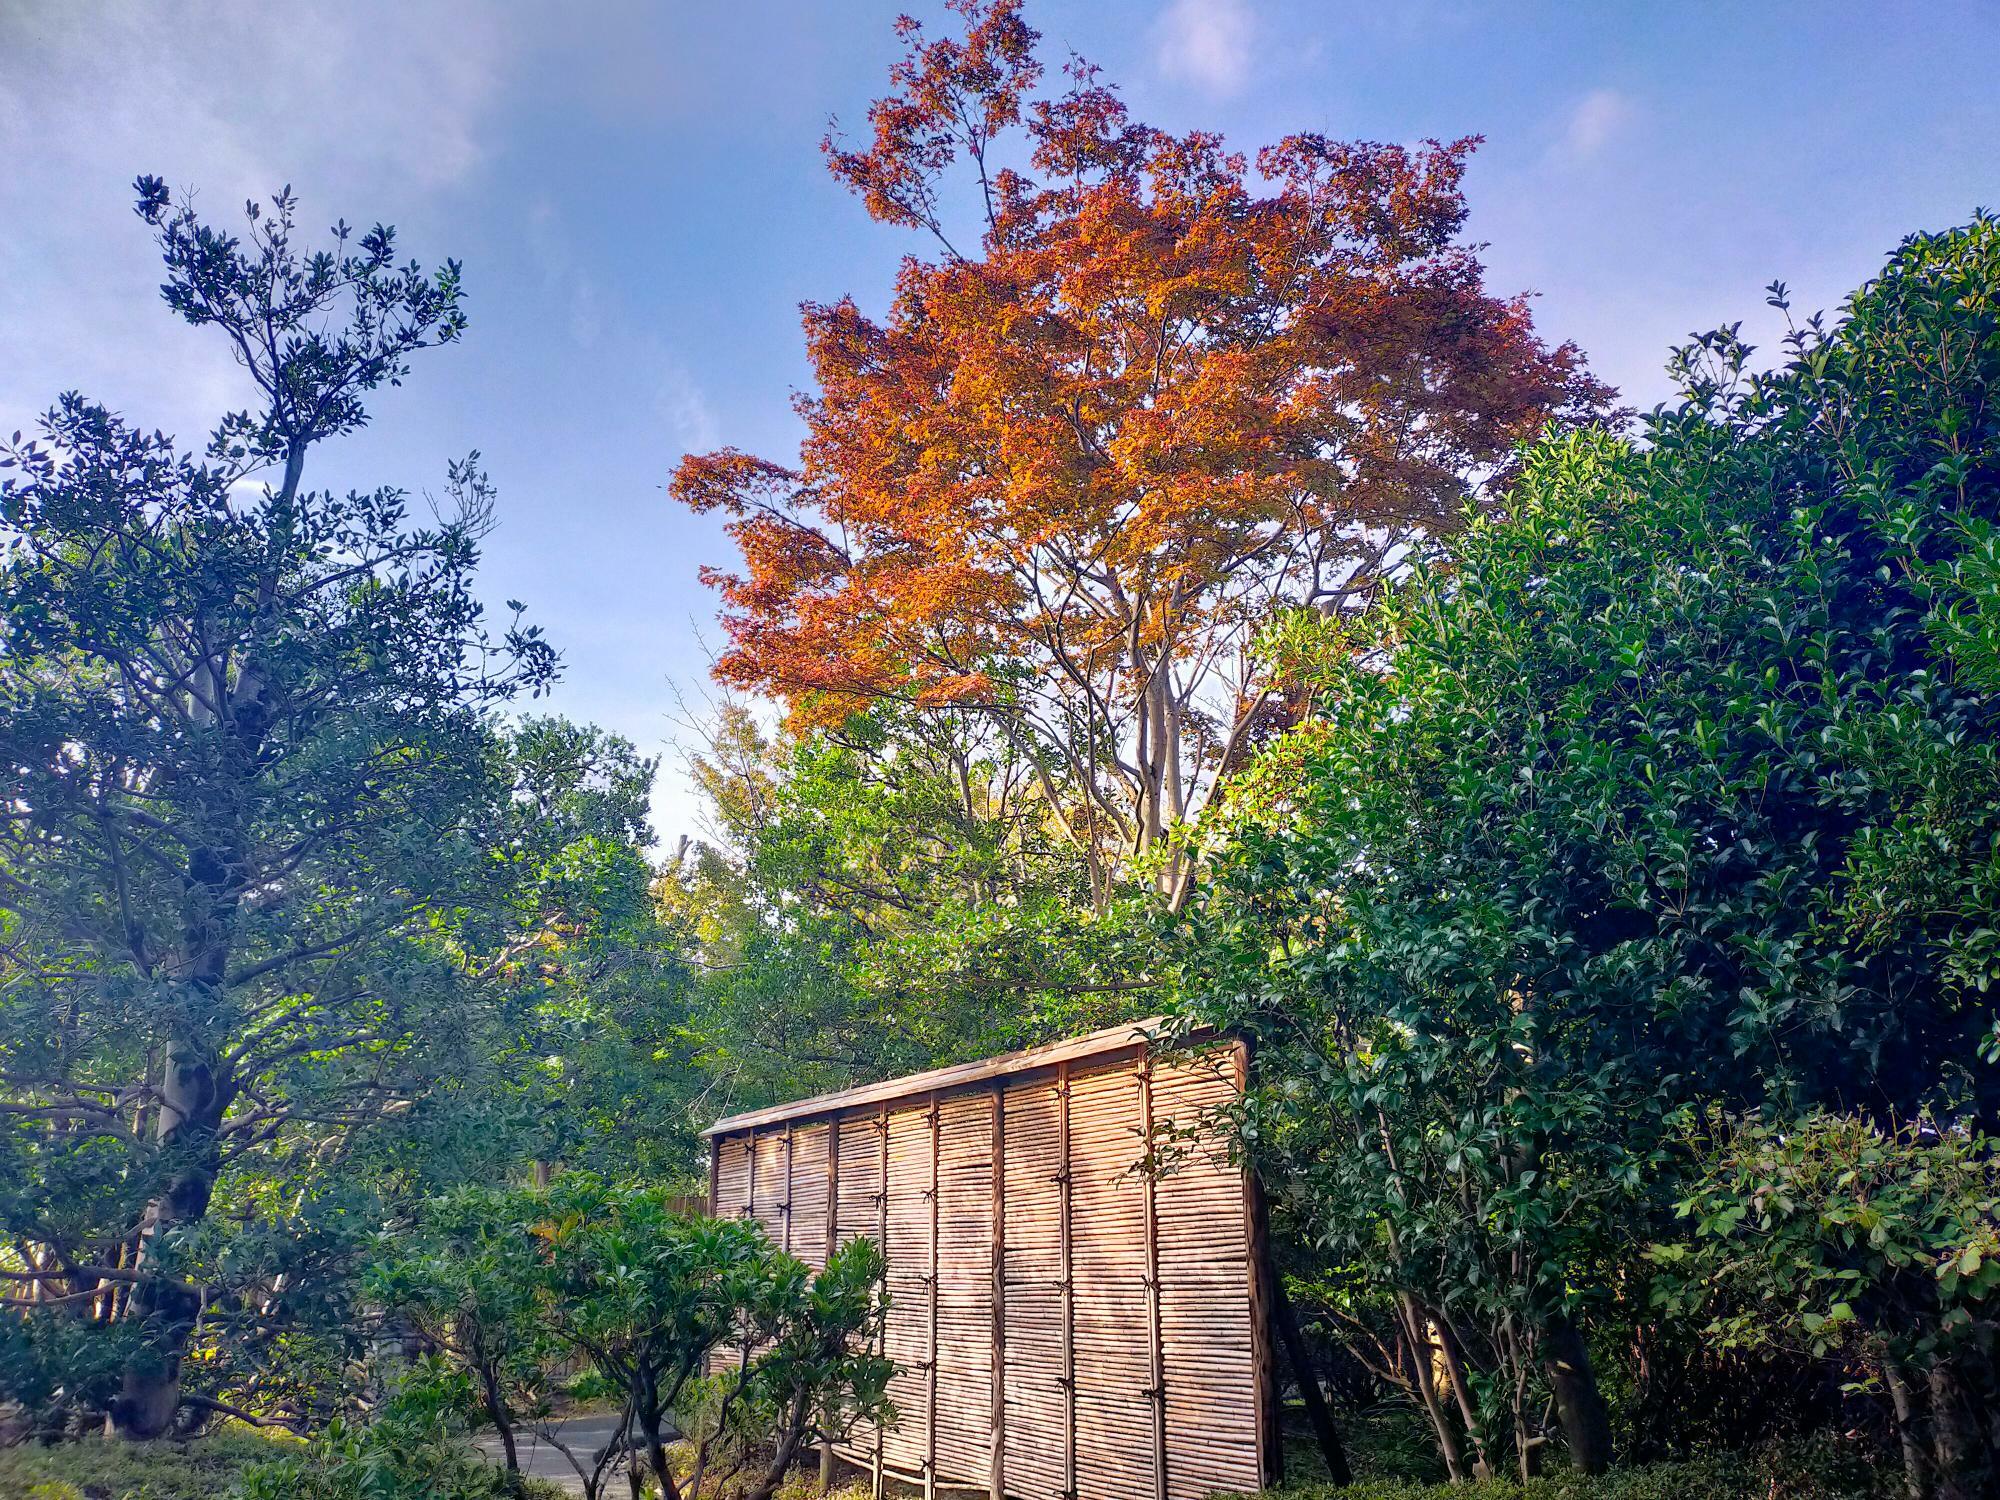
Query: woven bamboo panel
<point x="809" y="1195"/>
<point x="965" y="1287"/>
<point x="732" y="1177"/>
<point x="768" y="1187"/>
<point x="907" y="1338"/>
<point x="1037" y="1399"/>
<point x="1114" y="1412"/>
<point x="1205" y="1312"/>
<point x="860" y="1212"/>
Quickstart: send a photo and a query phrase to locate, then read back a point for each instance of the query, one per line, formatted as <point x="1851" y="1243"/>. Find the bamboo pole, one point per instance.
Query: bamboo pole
<point x="882" y="1244"/>
<point x="1158" y="1391"/>
<point x="996" y="1478"/>
<point x="832" y="1244"/>
<point x="1068" y="1292"/>
<point x="750" y="1192"/>
<point x="785" y="1208"/>
<point x="1270" y="1447"/>
<point x="931" y="1360"/>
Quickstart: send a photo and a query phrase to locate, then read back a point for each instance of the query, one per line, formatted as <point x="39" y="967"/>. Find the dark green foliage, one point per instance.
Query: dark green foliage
<point x="1675" y="787"/>
<point x="292" y="927"/>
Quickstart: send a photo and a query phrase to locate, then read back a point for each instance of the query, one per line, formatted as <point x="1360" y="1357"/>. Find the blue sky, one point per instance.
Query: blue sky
<point x="637" y="195"/>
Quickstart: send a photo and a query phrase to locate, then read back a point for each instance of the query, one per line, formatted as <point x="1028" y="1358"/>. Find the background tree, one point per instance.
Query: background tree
<point x="879" y="898"/>
<point x="1157" y="397"/>
<point x="248" y="773"/>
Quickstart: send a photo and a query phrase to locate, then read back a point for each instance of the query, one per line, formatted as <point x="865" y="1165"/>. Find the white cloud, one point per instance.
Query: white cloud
<point x="685" y="406"/>
<point x="371" y="108"/>
<point x="1599" y="118"/>
<point x="1206" y="43"/>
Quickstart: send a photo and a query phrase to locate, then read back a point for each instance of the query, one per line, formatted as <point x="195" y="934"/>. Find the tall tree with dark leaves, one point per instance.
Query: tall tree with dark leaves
<point x="247" y="765"/>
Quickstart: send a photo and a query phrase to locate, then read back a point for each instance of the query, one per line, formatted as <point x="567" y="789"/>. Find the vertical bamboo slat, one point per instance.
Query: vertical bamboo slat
<point x="1067" y="1192"/>
<point x="785" y="1208"/>
<point x="996" y="1471"/>
<point x="882" y="1242"/>
<point x="832" y="1244"/>
<point x="931" y="1356"/>
<point x="1270" y="1453"/>
<point x="1158" y="1393"/>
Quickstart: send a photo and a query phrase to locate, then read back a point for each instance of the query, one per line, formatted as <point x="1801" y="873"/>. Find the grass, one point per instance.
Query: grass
<point x="95" y="1468"/>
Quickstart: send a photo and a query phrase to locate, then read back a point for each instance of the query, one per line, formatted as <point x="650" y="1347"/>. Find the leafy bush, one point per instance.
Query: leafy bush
<point x="692" y="1326"/>
<point x="411" y="1452"/>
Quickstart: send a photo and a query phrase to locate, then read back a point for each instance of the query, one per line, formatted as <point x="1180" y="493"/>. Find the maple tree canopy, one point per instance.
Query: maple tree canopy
<point x="1079" y="464"/>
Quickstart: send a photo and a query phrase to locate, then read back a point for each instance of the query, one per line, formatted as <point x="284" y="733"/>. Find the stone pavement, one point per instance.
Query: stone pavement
<point x="583" y="1431"/>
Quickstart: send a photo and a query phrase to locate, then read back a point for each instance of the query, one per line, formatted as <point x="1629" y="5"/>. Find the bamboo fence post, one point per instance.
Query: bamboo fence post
<point x="1158" y="1391"/>
<point x="832" y="1244"/>
<point x="785" y="1208"/>
<point x="931" y="1358"/>
<point x="1270" y="1448"/>
<point x="882" y="1244"/>
<point x="750" y="1191"/>
<point x="1068" y="1291"/>
<point x="996" y="1478"/>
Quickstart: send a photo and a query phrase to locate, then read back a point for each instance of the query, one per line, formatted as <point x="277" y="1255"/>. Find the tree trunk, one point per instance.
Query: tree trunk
<point x="1586" y="1422"/>
<point x="1909" y="1430"/>
<point x="190" y="1115"/>
<point x="496" y="1408"/>
<point x="1461" y="1387"/>
<point x="656" y="1447"/>
<point x="1330" y="1446"/>
<point x="1426" y="1383"/>
<point x="1964" y="1466"/>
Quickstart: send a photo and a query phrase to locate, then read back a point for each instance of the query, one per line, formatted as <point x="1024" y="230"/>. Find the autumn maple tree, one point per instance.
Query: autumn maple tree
<point x="1145" y="394"/>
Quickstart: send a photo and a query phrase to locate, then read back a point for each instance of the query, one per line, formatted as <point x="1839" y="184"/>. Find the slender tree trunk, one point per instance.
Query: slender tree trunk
<point x="496" y="1408"/>
<point x="1909" y="1430"/>
<point x="1426" y="1382"/>
<point x="1461" y="1388"/>
<point x="1964" y="1468"/>
<point x="1586" y="1421"/>
<point x="1330" y="1446"/>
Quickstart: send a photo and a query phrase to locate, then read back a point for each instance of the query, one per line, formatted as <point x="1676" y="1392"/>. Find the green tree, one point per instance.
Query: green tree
<point x="1831" y="1234"/>
<point x="248" y="777"/>
<point x="1677" y="783"/>
<point x="464" y="1274"/>
<point x="654" y="1298"/>
<point x="882" y="898"/>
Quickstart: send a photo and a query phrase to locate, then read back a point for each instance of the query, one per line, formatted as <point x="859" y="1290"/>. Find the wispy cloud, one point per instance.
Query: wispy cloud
<point x="1598" y="119"/>
<point x="1206" y="43"/>
<point x="228" y="97"/>
<point x="685" y="406"/>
